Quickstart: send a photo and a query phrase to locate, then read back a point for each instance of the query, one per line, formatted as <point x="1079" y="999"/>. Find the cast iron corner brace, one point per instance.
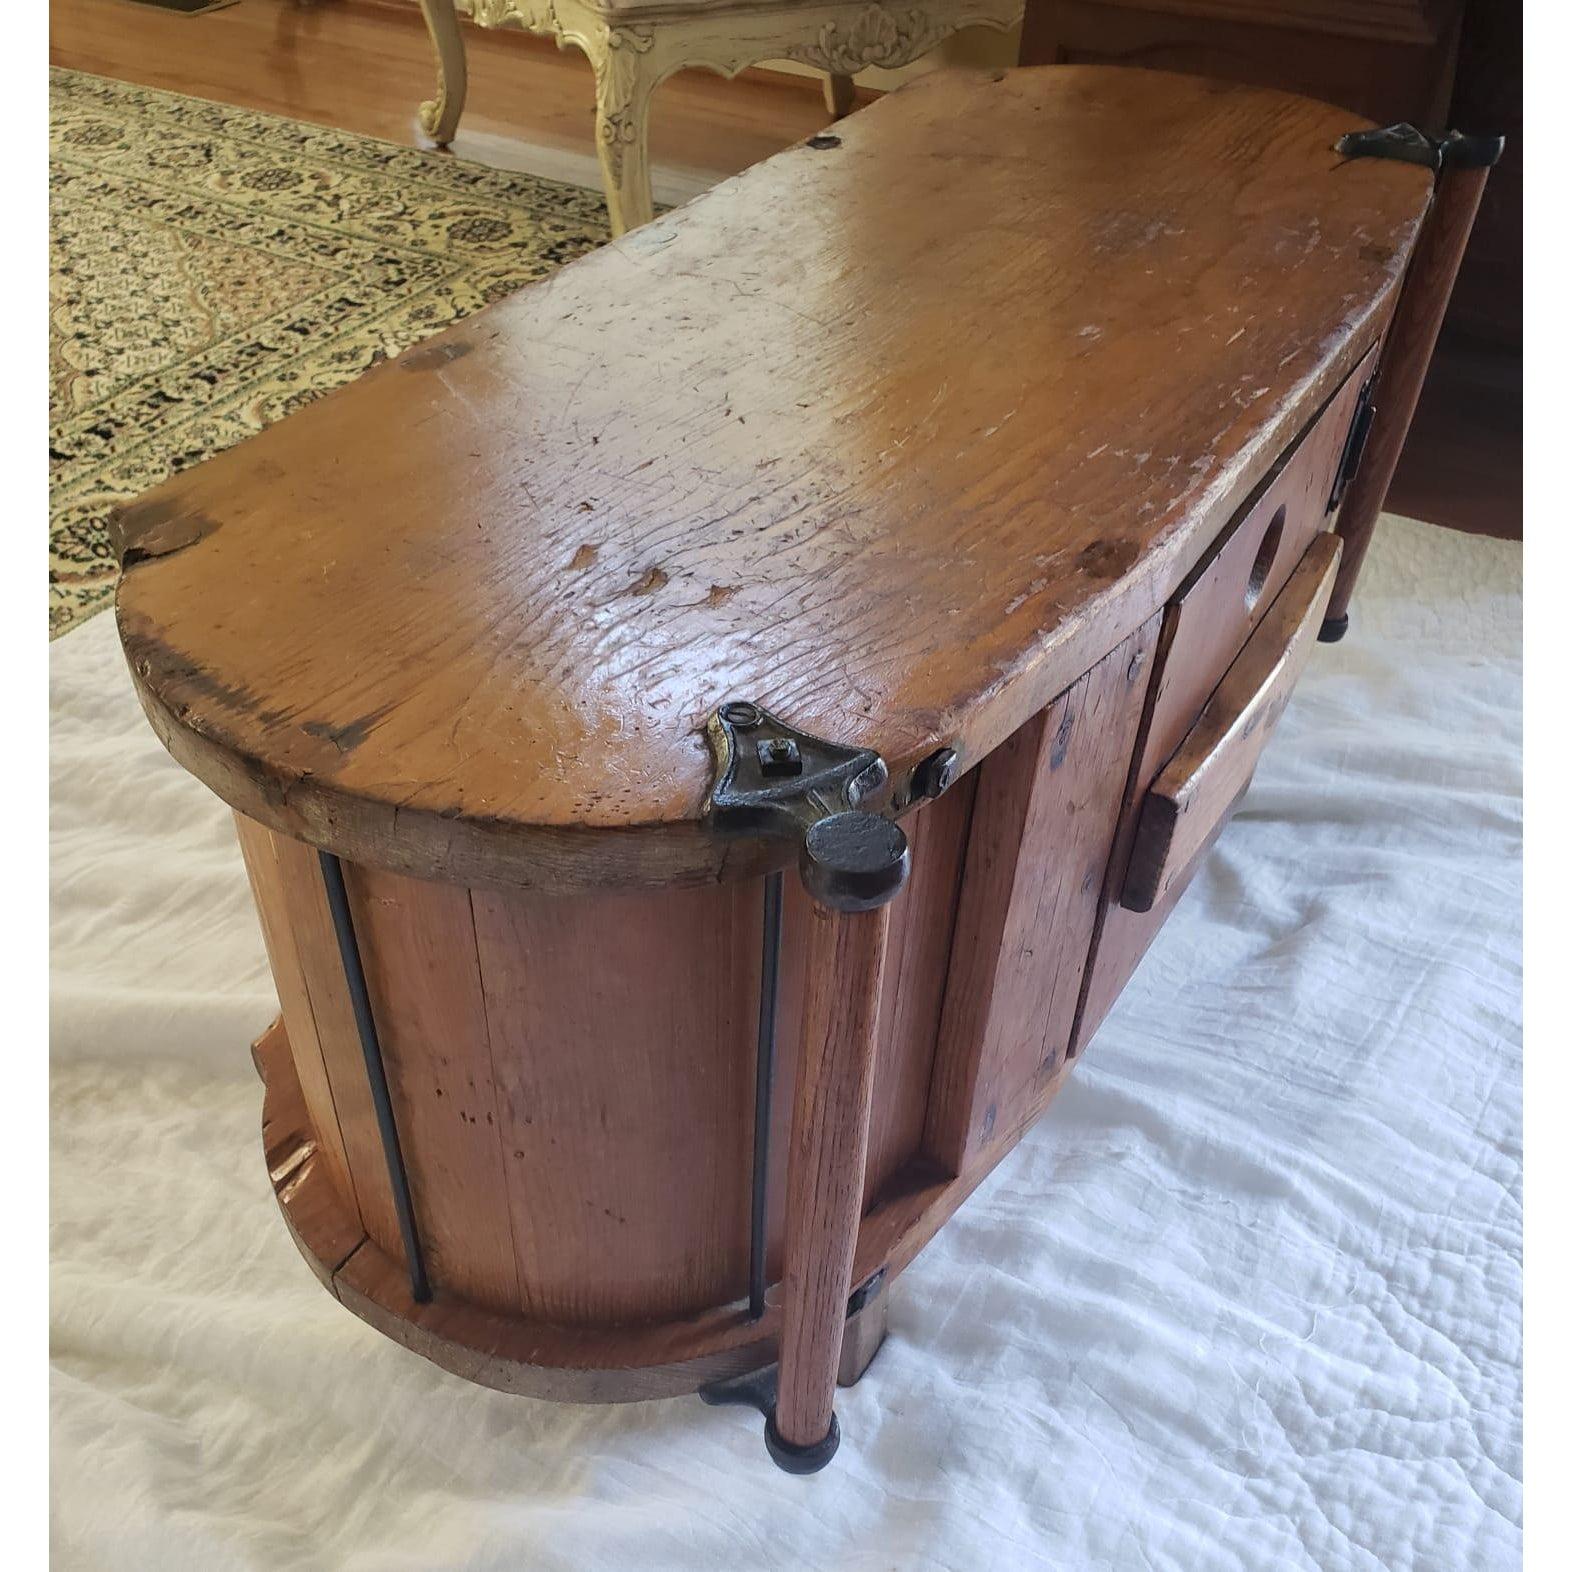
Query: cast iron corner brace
<point x="1407" y="144"/>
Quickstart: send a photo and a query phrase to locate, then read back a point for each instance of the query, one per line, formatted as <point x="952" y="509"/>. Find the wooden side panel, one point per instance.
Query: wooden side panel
<point x="417" y="942"/>
<point x="257" y="848"/>
<point x="1042" y="827"/>
<point x="305" y="913"/>
<point x="1204" y="627"/>
<point x="622" y="1032"/>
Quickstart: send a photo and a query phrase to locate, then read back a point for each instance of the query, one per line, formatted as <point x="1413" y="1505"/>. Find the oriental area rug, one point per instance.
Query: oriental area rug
<point x="213" y="269"/>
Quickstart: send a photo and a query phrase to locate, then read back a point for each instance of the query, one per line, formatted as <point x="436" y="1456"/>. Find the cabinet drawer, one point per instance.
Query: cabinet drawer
<point x="1211" y="619"/>
<point x="1197" y="790"/>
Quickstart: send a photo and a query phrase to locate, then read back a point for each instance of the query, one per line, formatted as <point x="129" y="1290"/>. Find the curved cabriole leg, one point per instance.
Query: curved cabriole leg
<point x="1464" y="164"/>
<point x="824" y="1184"/>
<point x="439" y="117"/>
<point x="840" y="95"/>
<point x="624" y="82"/>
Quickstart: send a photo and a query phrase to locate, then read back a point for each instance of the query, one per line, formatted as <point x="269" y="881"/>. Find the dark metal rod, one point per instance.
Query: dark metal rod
<point x="763" y="1086"/>
<point x="376" y="1074"/>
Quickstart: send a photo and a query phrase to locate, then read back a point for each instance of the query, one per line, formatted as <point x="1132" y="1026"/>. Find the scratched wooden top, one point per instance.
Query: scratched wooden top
<point x="896" y="437"/>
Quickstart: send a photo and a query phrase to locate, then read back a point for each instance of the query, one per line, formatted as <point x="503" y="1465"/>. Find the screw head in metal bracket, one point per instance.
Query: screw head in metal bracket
<point x="741" y="714"/>
<point x="778" y="757"/>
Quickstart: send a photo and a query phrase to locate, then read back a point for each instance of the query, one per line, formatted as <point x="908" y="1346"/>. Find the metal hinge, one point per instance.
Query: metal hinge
<point x="1353" y="445"/>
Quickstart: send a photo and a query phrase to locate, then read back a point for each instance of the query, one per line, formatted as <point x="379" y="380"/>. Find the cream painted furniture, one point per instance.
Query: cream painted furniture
<point x="634" y="45"/>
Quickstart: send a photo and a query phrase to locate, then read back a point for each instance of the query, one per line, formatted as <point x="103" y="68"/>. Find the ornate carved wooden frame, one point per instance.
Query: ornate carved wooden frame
<point x="632" y="49"/>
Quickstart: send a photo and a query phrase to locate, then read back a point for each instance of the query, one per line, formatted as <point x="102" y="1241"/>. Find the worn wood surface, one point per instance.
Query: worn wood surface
<point x="829" y="1148"/>
<point x="1204" y="780"/>
<point x="422" y="968"/>
<point x="1042" y="827"/>
<point x="1034" y="335"/>
<point x="1204" y="627"/>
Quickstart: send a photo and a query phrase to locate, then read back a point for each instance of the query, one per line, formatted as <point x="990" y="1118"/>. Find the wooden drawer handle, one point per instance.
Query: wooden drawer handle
<point x="1197" y="789"/>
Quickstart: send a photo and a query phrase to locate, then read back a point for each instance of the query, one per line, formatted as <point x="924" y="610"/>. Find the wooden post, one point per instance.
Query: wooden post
<point x="1460" y="183"/>
<point x="829" y="1150"/>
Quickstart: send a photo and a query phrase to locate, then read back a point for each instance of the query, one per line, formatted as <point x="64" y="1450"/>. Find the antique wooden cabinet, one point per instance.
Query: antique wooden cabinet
<point x="943" y="510"/>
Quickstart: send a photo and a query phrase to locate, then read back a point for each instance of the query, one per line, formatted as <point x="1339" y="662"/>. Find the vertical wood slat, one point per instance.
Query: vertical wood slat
<point x="916" y="968"/>
<point x="258" y="848"/>
<point x="418" y="948"/>
<point x="922" y="921"/>
<point x="1043" y="825"/>
<point x="621" y="1030"/>
<point x="305" y="908"/>
<point x="829" y="1148"/>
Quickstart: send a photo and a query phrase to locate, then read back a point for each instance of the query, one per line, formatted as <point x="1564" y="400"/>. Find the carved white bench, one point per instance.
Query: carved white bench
<point x="634" y="45"/>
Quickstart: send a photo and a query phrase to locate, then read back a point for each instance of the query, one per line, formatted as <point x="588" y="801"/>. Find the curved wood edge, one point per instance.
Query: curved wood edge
<point x="532" y="1359"/>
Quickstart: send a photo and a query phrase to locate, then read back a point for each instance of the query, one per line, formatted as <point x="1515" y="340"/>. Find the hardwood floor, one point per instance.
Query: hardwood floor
<point x="364" y="65"/>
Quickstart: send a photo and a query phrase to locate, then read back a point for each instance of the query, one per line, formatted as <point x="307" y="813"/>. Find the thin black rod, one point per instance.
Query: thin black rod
<point x="763" y="1086"/>
<point x="371" y="1050"/>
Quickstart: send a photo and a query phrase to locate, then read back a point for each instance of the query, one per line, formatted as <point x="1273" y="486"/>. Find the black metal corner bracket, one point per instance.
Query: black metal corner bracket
<point x="1407" y="144"/>
<point x="771" y="779"/>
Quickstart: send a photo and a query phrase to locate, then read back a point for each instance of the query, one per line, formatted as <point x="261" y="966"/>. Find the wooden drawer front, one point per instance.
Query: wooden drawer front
<point x="1206" y="625"/>
<point x="1229" y="590"/>
<point x="1190" y="801"/>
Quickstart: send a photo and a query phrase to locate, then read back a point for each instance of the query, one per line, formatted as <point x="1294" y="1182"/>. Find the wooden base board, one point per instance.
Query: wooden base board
<point x="531" y="1359"/>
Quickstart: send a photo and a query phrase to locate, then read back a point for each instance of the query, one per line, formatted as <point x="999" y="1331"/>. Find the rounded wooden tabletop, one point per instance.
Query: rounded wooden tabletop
<point x="895" y="435"/>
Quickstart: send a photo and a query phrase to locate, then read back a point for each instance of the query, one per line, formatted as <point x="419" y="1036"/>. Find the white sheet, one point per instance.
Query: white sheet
<point x="1247" y="1297"/>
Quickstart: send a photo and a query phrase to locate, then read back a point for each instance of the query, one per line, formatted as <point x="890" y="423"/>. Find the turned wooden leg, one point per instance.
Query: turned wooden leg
<point x="440" y="117"/>
<point x="824" y="1181"/>
<point x="1405" y="359"/>
<point x="624" y="81"/>
<point x="840" y="95"/>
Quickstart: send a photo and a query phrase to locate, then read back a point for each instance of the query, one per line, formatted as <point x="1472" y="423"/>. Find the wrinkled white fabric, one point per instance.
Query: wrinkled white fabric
<point x="1248" y="1297"/>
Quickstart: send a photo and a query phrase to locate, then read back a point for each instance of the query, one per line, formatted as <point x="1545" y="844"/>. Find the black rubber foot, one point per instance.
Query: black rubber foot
<point x="1333" y="629"/>
<point x="801" y="1459"/>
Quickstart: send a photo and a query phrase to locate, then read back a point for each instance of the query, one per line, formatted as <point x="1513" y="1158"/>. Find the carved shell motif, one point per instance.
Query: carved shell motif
<point x="878" y="37"/>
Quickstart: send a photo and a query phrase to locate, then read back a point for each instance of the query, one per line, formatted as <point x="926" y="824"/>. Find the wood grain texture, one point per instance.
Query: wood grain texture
<point x="1200" y="786"/>
<point x="325" y="1229"/>
<point x="267" y="890"/>
<point x="507" y="1352"/>
<point x="621" y="1043"/>
<point x="418" y="948"/>
<point x="1037" y="335"/>
<point x="1204" y="627"/>
<point x="1042" y="828"/>
<point x="829" y="1148"/>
